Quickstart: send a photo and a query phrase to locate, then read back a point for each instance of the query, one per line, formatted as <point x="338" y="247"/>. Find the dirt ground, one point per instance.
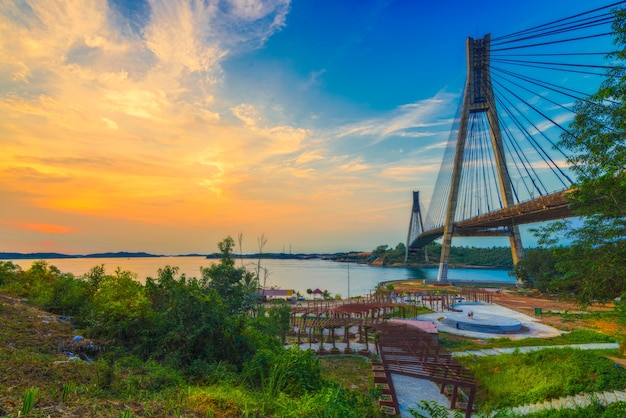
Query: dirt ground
<point x="527" y="303"/>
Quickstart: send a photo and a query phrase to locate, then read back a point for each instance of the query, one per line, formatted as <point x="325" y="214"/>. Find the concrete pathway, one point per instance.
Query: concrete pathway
<point x="496" y="351"/>
<point x="572" y="402"/>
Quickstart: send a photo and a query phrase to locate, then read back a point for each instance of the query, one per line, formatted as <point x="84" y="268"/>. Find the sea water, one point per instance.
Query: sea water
<point x="345" y="279"/>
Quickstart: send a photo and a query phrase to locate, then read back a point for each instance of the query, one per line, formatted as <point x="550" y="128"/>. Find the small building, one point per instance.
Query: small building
<point x="274" y="294"/>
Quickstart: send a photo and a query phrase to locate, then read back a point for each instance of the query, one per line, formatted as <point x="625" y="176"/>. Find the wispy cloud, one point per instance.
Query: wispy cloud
<point x="411" y="120"/>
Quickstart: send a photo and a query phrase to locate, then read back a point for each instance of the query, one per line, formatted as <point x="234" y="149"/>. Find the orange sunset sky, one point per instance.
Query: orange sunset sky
<point x="164" y="126"/>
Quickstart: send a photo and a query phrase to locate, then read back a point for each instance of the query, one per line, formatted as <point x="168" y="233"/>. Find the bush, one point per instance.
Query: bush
<point x="290" y="371"/>
<point x="333" y="402"/>
<point x="9" y="273"/>
<point x="119" y="306"/>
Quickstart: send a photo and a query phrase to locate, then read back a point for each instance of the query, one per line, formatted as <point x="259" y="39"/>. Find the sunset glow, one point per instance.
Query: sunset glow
<point x="163" y="126"/>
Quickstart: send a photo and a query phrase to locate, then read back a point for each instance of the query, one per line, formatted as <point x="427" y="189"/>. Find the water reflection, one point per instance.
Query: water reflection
<point x="299" y="275"/>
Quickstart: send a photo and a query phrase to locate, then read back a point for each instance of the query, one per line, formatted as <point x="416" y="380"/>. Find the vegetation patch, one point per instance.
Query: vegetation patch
<point x="454" y="342"/>
<point x="545" y="374"/>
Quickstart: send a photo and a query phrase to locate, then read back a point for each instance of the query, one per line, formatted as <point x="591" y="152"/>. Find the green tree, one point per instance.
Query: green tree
<point x="279" y="317"/>
<point x="538" y="269"/>
<point x="119" y="306"/>
<point x="595" y="262"/>
<point x="236" y="286"/>
<point x="379" y="251"/>
<point x="9" y="272"/>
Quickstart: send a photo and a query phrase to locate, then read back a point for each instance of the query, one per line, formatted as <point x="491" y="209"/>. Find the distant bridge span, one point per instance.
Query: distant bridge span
<point x="544" y="208"/>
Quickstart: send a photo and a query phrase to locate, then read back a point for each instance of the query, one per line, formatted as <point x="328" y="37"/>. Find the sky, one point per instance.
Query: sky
<point x="165" y="126"/>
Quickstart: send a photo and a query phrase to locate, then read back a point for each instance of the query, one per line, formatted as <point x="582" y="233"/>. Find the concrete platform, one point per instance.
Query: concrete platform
<point x="480" y="321"/>
<point x="530" y="327"/>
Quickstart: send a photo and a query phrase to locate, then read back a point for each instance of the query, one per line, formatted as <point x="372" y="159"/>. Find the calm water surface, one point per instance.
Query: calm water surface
<point x="299" y="275"/>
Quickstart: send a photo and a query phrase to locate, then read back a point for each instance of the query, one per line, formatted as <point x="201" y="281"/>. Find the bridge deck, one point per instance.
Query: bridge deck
<point x="544" y="208"/>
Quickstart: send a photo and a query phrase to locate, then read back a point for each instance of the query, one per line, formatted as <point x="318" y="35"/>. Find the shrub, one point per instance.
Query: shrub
<point x="291" y="371"/>
<point x="119" y="305"/>
<point x="9" y="273"/>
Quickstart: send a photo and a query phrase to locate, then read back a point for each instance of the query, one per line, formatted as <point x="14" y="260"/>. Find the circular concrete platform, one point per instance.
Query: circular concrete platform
<point x="493" y="324"/>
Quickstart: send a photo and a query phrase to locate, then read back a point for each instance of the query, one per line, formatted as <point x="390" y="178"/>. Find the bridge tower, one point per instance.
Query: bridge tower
<point x="477" y="97"/>
<point x="416" y="225"/>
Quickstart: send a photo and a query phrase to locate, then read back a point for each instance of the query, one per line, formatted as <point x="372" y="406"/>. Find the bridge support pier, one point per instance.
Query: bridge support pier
<point x="442" y="274"/>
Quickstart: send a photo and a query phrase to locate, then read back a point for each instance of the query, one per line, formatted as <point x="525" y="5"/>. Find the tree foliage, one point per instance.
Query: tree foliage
<point x="469" y="256"/>
<point x="236" y="286"/>
<point x="595" y="262"/>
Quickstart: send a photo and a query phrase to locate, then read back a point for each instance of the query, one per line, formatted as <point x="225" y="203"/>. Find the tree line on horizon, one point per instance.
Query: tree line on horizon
<point x="428" y="256"/>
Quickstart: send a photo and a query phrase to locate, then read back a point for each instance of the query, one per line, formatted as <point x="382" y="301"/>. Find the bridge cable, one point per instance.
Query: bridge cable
<point x="539" y="148"/>
<point x="532" y="141"/>
<point x="523" y="157"/>
<point x="569" y="109"/>
<point x="550" y="86"/>
<point x="562" y="64"/>
<point x="554" y="42"/>
<point x="560" y="20"/>
<point x="575" y="26"/>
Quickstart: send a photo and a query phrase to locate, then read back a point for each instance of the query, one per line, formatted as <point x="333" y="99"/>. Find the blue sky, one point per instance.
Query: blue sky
<point x="164" y="126"/>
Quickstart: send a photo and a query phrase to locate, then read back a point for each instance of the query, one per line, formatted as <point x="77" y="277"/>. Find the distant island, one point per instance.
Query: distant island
<point x="38" y="256"/>
<point x="124" y="254"/>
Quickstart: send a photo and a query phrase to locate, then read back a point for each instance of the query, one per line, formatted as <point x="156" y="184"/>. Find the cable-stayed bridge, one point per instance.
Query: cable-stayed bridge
<point x="503" y="166"/>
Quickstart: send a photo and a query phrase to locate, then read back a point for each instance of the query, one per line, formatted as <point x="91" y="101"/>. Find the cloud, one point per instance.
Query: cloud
<point x="107" y="123"/>
<point x="44" y="228"/>
<point x="280" y="139"/>
<point x="411" y="120"/>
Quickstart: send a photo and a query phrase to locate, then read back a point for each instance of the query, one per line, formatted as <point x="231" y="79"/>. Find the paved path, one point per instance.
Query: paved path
<point x="496" y="351"/>
<point x="572" y="402"/>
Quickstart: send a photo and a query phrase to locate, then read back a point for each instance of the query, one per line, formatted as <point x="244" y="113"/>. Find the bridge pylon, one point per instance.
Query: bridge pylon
<point x="477" y="97"/>
<point x="416" y="225"/>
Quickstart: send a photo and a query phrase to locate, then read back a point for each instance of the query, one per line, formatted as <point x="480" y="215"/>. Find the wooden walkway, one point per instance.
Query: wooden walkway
<point x="409" y="351"/>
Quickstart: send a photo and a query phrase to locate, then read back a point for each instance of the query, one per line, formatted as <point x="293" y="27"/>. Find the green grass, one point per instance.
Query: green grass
<point x="545" y="374"/>
<point x="349" y="372"/>
<point x="580" y="336"/>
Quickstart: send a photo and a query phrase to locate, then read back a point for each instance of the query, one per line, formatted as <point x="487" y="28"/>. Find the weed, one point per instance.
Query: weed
<point x="68" y="388"/>
<point x="433" y="410"/>
<point x="29" y="401"/>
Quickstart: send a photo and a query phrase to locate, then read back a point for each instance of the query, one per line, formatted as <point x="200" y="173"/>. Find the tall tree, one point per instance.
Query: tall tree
<point x="595" y="262"/>
<point x="234" y="285"/>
